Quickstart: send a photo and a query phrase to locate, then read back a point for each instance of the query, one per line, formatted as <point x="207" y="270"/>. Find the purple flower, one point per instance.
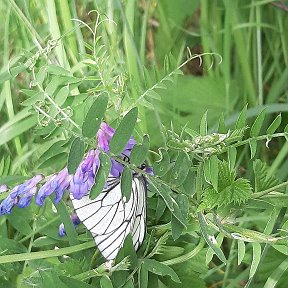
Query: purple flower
<point x="3" y="188"/>
<point x="26" y="199"/>
<point x="20" y="195"/>
<point x="79" y="184"/>
<point x="84" y="178"/>
<point x="57" y="184"/>
<point x="75" y="220"/>
<point x="104" y="137"/>
<point x="7" y="204"/>
<point x="149" y="170"/>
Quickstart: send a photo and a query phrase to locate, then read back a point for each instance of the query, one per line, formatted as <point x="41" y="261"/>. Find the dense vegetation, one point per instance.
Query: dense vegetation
<point x="201" y="85"/>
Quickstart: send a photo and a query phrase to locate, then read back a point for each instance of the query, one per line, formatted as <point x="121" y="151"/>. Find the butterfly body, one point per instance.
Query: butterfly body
<point x="110" y="217"/>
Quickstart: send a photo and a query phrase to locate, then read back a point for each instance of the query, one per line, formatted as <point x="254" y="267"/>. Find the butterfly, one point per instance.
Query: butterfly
<point x="110" y="217"/>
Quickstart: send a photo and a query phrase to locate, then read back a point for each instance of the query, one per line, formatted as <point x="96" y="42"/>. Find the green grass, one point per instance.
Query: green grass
<point x="140" y="43"/>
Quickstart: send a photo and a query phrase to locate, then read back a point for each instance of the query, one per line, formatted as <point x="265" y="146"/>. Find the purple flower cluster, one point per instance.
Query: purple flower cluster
<point x="57" y="183"/>
<point x="84" y="178"/>
<point x="79" y="184"/>
<point x="21" y="195"/>
<point x="104" y="136"/>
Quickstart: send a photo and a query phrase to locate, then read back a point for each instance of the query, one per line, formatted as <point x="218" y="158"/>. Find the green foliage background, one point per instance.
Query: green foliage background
<point x="133" y="59"/>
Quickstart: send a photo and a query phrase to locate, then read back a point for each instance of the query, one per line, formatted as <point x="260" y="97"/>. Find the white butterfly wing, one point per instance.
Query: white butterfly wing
<point x="139" y="224"/>
<point x="110" y="218"/>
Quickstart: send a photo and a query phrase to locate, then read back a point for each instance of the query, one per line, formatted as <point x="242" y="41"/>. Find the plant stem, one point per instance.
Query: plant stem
<point x="45" y="254"/>
<point x="187" y="256"/>
<point x="267" y="191"/>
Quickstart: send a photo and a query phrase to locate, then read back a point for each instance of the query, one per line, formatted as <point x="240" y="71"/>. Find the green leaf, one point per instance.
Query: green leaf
<point x="41" y="75"/>
<point x="37" y="96"/>
<point x="253" y="147"/>
<point x="210" y="252"/>
<point x="176" y="227"/>
<point x="16" y="128"/>
<point x="277" y="274"/>
<point x="123" y="132"/>
<point x="139" y="152"/>
<point x="55" y="162"/>
<point x="209" y="237"/>
<point x="180" y="169"/>
<point x="207" y="171"/>
<point x="232" y="155"/>
<point x="12" y="72"/>
<point x="5" y="166"/>
<point x="180" y="210"/>
<point x="170" y="252"/>
<point x="44" y="241"/>
<point x="127" y="251"/>
<point x="226" y="176"/>
<point x="160" y="269"/>
<point x="69" y="227"/>
<point x="203" y="125"/>
<point x="53" y="85"/>
<point x="143" y="277"/>
<point x="274" y="125"/>
<point x="75" y="155"/>
<point x="214" y="171"/>
<point x="51" y="279"/>
<point x="94" y="116"/>
<point x="161" y="167"/>
<point x="129" y="284"/>
<point x="105" y="282"/>
<point x="55" y="149"/>
<point x="238" y="192"/>
<point x="101" y="176"/>
<point x="126" y="183"/>
<point x="152" y="94"/>
<point x="12" y="180"/>
<point x="256" y="257"/>
<point x="164" y="191"/>
<point x="57" y="70"/>
<point x="20" y="220"/>
<point x="177" y="213"/>
<point x="62" y="95"/>
<point x="211" y="171"/>
<point x="189" y="184"/>
<point x="263" y="180"/>
<point x="221" y="125"/>
<point x="241" y="119"/>
<point x="119" y="277"/>
<point x="11" y="246"/>
<point x="229" y="190"/>
<point x="161" y="206"/>
<point x="241" y="251"/>
<point x="256" y="127"/>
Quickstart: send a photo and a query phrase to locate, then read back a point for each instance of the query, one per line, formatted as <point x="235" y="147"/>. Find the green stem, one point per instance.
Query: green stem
<point x="267" y="191"/>
<point x="199" y="181"/>
<point x="45" y="254"/>
<point x="187" y="256"/>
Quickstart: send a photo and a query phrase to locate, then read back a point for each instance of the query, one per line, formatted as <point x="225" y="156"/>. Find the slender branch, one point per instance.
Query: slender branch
<point x="45" y="254"/>
<point x="191" y="57"/>
<point x="66" y="117"/>
<point x="267" y="191"/>
<point x="187" y="256"/>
